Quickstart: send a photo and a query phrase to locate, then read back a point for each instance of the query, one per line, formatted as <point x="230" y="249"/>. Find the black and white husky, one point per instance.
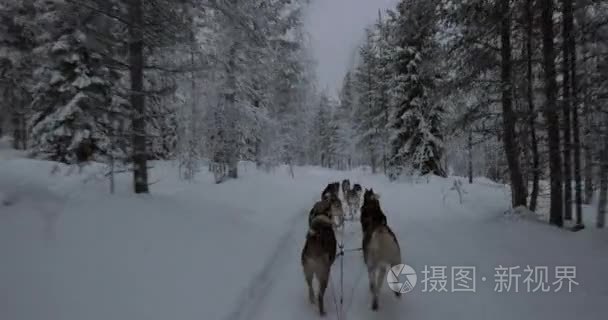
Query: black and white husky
<point x="332" y="190"/>
<point x="345" y="188"/>
<point x="318" y="255"/>
<point x="353" y="200"/>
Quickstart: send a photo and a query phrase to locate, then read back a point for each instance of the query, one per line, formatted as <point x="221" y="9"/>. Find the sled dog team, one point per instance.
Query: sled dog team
<point x="380" y="247"/>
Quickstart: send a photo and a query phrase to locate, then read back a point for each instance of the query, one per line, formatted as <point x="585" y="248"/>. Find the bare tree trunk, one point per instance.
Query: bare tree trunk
<point x="531" y="109"/>
<point x="587" y="141"/>
<point x="588" y="154"/>
<point x="136" y="69"/>
<point x="470" y="160"/>
<point x="385" y="136"/>
<point x="192" y="125"/>
<point x="17" y="108"/>
<point x="19" y="131"/>
<point x="231" y="139"/>
<point x="578" y="184"/>
<point x="523" y="135"/>
<point x="551" y="114"/>
<point x="601" y="207"/>
<point x="112" y="184"/>
<point x="566" y="101"/>
<point x="518" y="188"/>
<point x="233" y="168"/>
<point x="373" y="160"/>
<point x="370" y="89"/>
<point x="384" y="162"/>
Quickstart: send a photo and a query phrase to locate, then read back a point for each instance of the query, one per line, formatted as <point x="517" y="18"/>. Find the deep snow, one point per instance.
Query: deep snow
<point x="197" y="250"/>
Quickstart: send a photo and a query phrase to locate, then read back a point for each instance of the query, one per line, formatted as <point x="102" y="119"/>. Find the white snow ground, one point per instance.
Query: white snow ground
<point x="71" y="251"/>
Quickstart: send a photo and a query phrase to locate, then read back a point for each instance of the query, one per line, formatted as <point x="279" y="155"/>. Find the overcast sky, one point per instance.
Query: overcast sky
<point x="336" y="28"/>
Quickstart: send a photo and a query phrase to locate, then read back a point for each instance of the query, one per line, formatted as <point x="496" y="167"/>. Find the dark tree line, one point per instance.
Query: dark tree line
<point x="522" y="75"/>
<point x="513" y="50"/>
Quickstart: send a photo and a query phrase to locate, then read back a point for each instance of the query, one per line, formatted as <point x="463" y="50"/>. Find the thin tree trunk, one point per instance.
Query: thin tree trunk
<point x="112" y="173"/>
<point x="136" y="69"/>
<point x="20" y="132"/>
<point x="551" y="114"/>
<point x="587" y="141"/>
<point x="384" y="163"/>
<point x="523" y="134"/>
<point x="385" y="135"/>
<point x="588" y="153"/>
<point x="370" y="90"/>
<point x="531" y="109"/>
<point x="578" y="184"/>
<point x="566" y="101"/>
<point x="18" y="121"/>
<point x="191" y="133"/>
<point x="601" y="206"/>
<point x="470" y="160"/>
<point x="373" y="160"/>
<point x="231" y="140"/>
<point x="518" y="188"/>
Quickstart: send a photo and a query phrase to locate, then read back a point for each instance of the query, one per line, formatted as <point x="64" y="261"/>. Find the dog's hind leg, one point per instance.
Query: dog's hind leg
<point x="323" y="280"/>
<point x="373" y="286"/>
<point x="309" y="275"/>
<point x="380" y="278"/>
<point x="371" y="271"/>
<point x="396" y="261"/>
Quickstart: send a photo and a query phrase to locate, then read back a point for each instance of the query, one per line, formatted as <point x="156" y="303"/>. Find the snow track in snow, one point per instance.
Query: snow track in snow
<point x="249" y="303"/>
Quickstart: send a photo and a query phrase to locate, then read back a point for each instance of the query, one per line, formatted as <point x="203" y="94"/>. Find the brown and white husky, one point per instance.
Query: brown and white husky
<point x="381" y="249"/>
<point x="330" y="206"/>
<point x="318" y="255"/>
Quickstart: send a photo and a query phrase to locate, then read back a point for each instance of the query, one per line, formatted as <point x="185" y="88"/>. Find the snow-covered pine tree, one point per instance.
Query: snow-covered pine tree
<point x="415" y="125"/>
<point x="295" y="72"/>
<point x="239" y="45"/>
<point x="285" y="90"/>
<point x="321" y="143"/>
<point x="74" y="88"/>
<point x="372" y="80"/>
<point x="366" y="133"/>
<point x="262" y="83"/>
<point x="342" y="123"/>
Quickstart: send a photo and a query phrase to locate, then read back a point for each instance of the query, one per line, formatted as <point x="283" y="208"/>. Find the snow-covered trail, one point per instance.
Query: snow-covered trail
<point x="193" y="251"/>
<point x="249" y="303"/>
<point x="435" y="233"/>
